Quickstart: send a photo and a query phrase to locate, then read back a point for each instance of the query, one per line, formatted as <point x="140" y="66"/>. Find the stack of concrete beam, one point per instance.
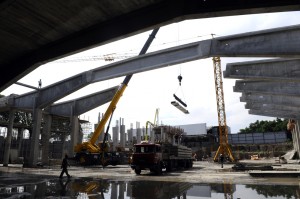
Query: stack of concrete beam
<point x="178" y="151"/>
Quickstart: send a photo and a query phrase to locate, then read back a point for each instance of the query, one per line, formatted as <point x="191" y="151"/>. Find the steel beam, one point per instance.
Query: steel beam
<point x="283" y="42"/>
<point x="279" y="69"/>
<point x="268" y="87"/>
<point x="263" y="98"/>
<point x="279" y="114"/>
<point x="271" y="107"/>
<point x="83" y="104"/>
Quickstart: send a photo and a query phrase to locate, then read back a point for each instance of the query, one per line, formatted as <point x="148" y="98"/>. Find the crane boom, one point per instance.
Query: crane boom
<point x="90" y="146"/>
<point x="224" y="147"/>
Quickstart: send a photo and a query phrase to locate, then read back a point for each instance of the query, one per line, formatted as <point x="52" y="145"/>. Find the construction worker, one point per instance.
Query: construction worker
<point x="221" y="160"/>
<point x="64" y="167"/>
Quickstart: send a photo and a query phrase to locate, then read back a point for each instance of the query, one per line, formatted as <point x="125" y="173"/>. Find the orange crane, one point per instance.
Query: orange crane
<point x="224" y="147"/>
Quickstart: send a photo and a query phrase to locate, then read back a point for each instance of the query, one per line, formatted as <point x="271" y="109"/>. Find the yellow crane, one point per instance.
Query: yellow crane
<point x="154" y="124"/>
<point x="89" y="152"/>
<point x="224" y="147"/>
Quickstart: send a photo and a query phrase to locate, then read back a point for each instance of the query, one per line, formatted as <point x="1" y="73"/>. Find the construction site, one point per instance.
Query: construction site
<point x="43" y="138"/>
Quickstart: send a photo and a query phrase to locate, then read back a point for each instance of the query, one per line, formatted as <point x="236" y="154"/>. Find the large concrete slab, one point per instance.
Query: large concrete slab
<point x="278" y="42"/>
<point x="270" y="99"/>
<point x="273" y="107"/>
<point x="279" y="114"/>
<point x="274" y="69"/>
<point x="269" y="87"/>
<point x="83" y="104"/>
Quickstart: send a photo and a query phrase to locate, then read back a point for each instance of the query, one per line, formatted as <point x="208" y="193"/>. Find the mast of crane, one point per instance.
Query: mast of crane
<point x="224" y="147"/>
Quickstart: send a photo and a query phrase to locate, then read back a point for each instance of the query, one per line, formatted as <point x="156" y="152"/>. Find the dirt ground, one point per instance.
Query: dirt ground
<point x="202" y="172"/>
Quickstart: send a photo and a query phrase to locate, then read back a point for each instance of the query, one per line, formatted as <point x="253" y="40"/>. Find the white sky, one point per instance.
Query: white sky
<point x="154" y="89"/>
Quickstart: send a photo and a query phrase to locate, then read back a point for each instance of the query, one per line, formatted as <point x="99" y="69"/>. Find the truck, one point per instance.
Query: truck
<point x="164" y="152"/>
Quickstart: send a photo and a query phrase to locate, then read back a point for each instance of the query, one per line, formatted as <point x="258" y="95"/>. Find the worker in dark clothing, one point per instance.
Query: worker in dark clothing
<point x="221" y="160"/>
<point x="64" y="166"/>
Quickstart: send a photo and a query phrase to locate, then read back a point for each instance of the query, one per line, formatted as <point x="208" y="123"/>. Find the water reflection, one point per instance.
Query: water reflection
<point x="111" y="189"/>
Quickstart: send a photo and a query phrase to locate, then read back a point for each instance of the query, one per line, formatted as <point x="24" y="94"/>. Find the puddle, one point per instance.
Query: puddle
<point x="34" y="187"/>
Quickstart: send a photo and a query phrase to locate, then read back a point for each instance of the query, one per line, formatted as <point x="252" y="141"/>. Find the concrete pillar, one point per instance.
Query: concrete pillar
<point x="138" y="133"/>
<point x="162" y="134"/>
<point x="63" y="145"/>
<point x="130" y="135"/>
<point x="8" y="137"/>
<point x="296" y="137"/>
<point x="34" y="142"/>
<point x="152" y="138"/>
<point x="115" y="135"/>
<point x="20" y="140"/>
<point x="45" y="139"/>
<point x="74" y="134"/>
<point x="122" y="134"/>
<point x="101" y="137"/>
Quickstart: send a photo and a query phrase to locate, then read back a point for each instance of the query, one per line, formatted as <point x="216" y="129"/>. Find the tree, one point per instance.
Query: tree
<point x="266" y="126"/>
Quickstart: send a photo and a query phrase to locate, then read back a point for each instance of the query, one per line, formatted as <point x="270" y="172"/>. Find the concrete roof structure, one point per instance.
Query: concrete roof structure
<point x="35" y="32"/>
<point x="269" y="87"/>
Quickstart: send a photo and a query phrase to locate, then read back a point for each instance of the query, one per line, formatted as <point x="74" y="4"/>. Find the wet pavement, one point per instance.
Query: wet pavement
<point x="205" y="180"/>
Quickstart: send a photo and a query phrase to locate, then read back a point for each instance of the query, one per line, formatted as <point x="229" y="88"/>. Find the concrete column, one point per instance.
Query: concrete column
<point x="45" y="139"/>
<point x="74" y="134"/>
<point x="152" y="138"/>
<point x="34" y="146"/>
<point x="115" y="135"/>
<point x="122" y="134"/>
<point x="130" y="135"/>
<point x="20" y="139"/>
<point x="296" y="137"/>
<point x="63" y="145"/>
<point x="138" y="133"/>
<point x="8" y="137"/>
<point x="101" y="137"/>
<point x="162" y="134"/>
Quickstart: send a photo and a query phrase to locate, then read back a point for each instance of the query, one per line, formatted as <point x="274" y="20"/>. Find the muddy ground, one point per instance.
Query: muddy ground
<point x="202" y="172"/>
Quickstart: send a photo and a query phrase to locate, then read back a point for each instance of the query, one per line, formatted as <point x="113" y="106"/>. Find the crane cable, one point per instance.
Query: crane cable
<point x="179" y="87"/>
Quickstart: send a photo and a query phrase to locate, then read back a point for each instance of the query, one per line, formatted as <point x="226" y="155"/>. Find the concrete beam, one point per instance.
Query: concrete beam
<point x="278" y="42"/>
<point x="268" y="87"/>
<point x="274" y="107"/>
<point x="279" y="114"/>
<point x="83" y="104"/>
<point x="279" y="69"/>
<point x="285" y="100"/>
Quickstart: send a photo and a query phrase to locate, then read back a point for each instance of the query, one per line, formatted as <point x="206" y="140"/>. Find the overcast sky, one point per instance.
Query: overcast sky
<point x="154" y="89"/>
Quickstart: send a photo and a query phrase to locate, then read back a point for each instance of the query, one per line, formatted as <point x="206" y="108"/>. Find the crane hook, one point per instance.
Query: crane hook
<point x="179" y="78"/>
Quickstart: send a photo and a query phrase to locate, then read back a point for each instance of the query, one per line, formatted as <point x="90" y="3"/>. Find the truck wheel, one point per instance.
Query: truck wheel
<point x="84" y="160"/>
<point x="137" y="171"/>
<point x="159" y="169"/>
<point x="170" y="166"/>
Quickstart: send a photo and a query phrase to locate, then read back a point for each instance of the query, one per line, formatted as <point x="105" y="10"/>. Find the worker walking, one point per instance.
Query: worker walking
<point x="221" y="160"/>
<point x="64" y="167"/>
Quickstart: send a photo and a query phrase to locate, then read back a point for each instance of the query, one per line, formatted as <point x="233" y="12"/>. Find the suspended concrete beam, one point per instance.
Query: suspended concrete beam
<point x="270" y="99"/>
<point x="83" y="104"/>
<point x="269" y="87"/>
<point x="279" y="114"/>
<point x="274" y="69"/>
<point x="278" y="42"/>
<point x="274" y="107"/>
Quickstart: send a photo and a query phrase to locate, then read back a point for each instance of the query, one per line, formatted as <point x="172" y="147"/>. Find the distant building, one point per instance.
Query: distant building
<point x="194" y="129"/>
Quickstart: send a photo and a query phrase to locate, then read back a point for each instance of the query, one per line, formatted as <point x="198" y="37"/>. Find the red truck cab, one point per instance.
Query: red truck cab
<point x="147" y="156"/>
